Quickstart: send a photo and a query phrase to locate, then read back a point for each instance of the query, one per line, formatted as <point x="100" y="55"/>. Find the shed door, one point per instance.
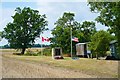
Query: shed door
<point x="57" y="52"/>
<point x="80" y="49"/>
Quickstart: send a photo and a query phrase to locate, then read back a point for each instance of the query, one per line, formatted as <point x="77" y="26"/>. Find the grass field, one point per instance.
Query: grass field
<point x="18" y="51"/>
<point x="100" y="68"/>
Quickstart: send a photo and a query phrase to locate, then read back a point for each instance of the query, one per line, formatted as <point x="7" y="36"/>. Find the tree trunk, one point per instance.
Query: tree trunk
<point x="23" y="51"/>
<point x="91" y="56"/>
<point x="96" y="55"/>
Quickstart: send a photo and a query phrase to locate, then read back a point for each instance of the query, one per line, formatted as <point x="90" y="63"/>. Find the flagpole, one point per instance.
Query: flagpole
<point x="71" y="41"/>
<point x="41" y="48"/>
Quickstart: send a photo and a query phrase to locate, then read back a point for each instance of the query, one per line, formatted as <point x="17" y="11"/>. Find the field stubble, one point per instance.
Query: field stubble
<point x="44" y="66"/>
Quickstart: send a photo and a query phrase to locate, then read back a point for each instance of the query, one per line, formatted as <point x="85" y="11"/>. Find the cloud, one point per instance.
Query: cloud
<point x="101" y="27"/>
<point x="0" y="14"/>
<point x="6" y="17"/>
<point x="54" y="10"/>
<point x="60" y="0"/>
<point x="43" y="0"/>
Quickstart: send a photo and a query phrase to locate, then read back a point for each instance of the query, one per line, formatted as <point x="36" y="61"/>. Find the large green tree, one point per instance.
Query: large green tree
<point x="109" y="16"/>
<point x="26" y="26"/>
<point x="61" y="33"/>
<point x="100" y="43"/>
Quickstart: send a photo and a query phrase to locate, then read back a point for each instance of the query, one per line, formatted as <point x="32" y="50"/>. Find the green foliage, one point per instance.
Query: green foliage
<point x="109" y="16"/>
<point x="45" y="52"/>
<point x="30" y="53"/>
<point x="100" y="43"/>
<point x="0" y="36"/>
<point x="26" y="26"/>
<point x="87" y="29"/>
<point x="61" y="33"/>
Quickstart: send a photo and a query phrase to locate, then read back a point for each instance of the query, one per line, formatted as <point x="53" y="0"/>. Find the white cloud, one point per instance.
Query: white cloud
<point x="6" y="18"/>
<point x="0" y="13"/>
<point x="43" y="0"/>
<point x="61" y="0"/>
<point x="54" y="10"/>
<point x="101" y="27"/>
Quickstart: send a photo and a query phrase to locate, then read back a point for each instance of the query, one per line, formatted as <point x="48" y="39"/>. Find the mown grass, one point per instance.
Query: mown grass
<point x="100" y="68"/>
<point x="14" y="50"/>
<point x="7" y="50"/>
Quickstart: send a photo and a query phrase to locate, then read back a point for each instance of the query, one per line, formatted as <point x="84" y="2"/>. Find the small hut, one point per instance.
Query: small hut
<point x="57" y="53"/>
<point x="81" y="49"/>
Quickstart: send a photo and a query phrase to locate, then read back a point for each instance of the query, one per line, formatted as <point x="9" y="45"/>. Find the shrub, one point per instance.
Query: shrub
<point x="46" y="52"/>
<point x="99" y="44"/>
<point x="30" y="53"/>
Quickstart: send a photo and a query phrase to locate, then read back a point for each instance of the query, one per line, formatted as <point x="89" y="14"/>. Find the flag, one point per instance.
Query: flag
<point x="45" y="39"/>
<point x="75" y="39"/>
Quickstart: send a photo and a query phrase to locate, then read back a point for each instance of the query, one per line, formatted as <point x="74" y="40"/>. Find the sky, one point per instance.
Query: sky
<point x="53" y="10"/>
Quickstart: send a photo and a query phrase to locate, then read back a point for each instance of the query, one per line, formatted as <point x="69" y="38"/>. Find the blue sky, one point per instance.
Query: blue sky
<point x="53" y="10"/>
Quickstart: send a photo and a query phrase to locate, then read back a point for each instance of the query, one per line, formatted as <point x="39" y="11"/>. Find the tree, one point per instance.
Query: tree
<point x="61" y="33"/>
<point x="26" y="26"/>
<point x="100" y="43"/>
<point x="0" y="36"/>
<point x="87" y="29"/>
<point x="109" y="16"/>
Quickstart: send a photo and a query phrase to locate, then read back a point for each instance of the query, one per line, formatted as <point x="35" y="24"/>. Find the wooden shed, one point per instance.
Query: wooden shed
<point x="81" y="49"/>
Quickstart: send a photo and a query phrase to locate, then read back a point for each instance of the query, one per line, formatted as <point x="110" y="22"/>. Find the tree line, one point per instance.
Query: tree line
<point x="33" y="46"/>
<point x="28" y="24"/>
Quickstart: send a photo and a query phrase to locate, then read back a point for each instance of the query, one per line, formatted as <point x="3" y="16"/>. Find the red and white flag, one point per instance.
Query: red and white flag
<point x="75" y="39"/>
<point x="45" y="39"/>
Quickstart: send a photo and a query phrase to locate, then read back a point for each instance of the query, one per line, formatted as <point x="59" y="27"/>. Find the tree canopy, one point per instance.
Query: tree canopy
<point x="109" y="16"/>
<point x="100" y="43"/>
<point x="26" y="26"/>
<point x="87" y="29"/>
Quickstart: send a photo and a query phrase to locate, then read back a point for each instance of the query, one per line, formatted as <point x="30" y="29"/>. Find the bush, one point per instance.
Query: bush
<point x="100" y="43"/>
<point x="46" y="52"/>
<point x="30" y="53"/>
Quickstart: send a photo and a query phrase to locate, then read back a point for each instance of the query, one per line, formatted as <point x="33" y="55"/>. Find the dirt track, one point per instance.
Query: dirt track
<point x="12" y="68"/>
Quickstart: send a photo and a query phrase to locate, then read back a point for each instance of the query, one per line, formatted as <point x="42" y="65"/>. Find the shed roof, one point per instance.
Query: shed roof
<point x="114" y="41"/>
<point x="80" y="43"/>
